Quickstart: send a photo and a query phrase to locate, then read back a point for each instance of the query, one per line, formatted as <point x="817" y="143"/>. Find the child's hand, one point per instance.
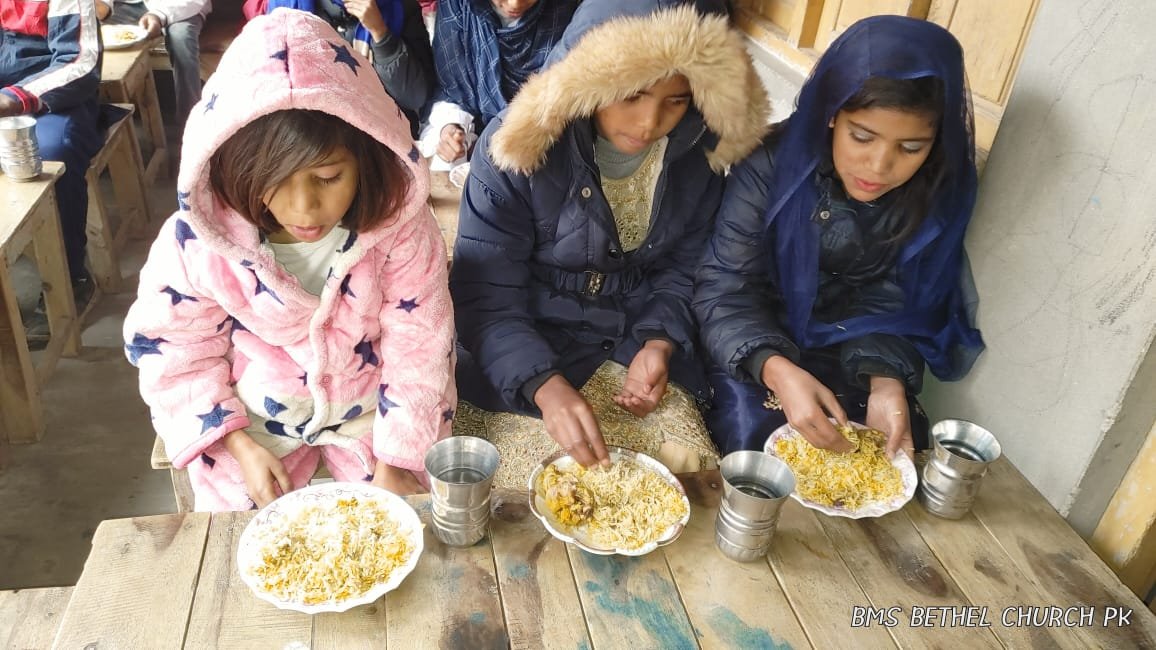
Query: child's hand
<point x="152" y="24"/>
<point x="397" y="480"/>
<point x="452" y="144"/>
<point x="570" y="421"/>
<point x="646" y="378"/>
<point x="265" y="475"/>
<point x="806" y="403"/>
<point x="887" y="412"/>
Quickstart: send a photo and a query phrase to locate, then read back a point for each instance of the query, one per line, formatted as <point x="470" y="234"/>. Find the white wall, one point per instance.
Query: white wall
<point x="1062" y="247"/>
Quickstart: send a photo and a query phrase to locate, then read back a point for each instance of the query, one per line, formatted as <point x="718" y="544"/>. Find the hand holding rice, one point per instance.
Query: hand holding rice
<point x="849" y="480"/>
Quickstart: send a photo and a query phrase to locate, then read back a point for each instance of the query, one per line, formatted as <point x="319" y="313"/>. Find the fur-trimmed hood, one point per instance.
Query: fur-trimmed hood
<point x="614" y="49"/>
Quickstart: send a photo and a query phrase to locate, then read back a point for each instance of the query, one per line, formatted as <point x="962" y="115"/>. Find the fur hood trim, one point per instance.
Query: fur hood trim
<point x="625" y="55"/>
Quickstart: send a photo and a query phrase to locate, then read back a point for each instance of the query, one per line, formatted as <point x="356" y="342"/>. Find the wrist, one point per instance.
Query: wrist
<point x="773" y="369"/>
<point x="881" y="384"/>
<point x="661" y="345"/>
<point x="237" y="441"/>
<point x="549" y="391"/>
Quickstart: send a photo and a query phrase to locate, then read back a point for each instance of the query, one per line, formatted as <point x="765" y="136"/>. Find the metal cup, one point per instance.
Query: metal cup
<point x="460" y="470"/>
<point x="19" y="150"/>
<point x="961" y="452"/>
<point x="755" y="485"/>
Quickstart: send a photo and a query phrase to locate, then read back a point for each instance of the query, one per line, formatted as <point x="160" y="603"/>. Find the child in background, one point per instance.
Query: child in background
<point x="588" y="204"/>
<point x="484" y="50"/>
<point x="837" y="267"/>
<point x="295" y="306"/>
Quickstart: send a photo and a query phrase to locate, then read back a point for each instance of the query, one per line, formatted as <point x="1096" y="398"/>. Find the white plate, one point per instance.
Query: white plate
<point x="907" y="473"/>
<point x="323" y="495"/>
<point x="578" y="537"/>
<point x="116" y="37"/>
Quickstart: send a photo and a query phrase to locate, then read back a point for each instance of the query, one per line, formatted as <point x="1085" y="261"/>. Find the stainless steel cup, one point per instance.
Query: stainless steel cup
<point x="19" y="150"/>
<point x="755" y="485"/>
<point x="960" y="454"/>
<point x="460" y="470"/>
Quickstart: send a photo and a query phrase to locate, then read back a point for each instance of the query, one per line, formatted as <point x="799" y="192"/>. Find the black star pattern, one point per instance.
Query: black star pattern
<point x="448" y="415"/>
<point x="212" y="103"/>
<point x="368" y="478"/>
<point x="275" y="428"/>
<point x="261" y="288"/>
<point x="283" y="57"/>
<point x="348" y="242"/>
<point x="238" y="326"/>
<point x="304" y="379"/>
<point x="368" y="356"/>
<point x="413" y="154"/>
<point x="246" y="263"/>
<point x="343" y="55"/>
<point x="273" y="407"/>
<point x="352" y="413"/>
<point x="142" y="345"/>
<point x="208" y="460"/>
<point x="213" y="418"/>
<point x="345" y="290"/>
<point x="177" y="296"/>
<point x="383" y="402"/>
<point x="408" y="305"/>
<point x="181" y="202"/>
<point x="184" y="232"/>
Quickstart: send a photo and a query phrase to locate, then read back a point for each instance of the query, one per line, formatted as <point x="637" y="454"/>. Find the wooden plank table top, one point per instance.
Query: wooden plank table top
<point x="903" y="580"/>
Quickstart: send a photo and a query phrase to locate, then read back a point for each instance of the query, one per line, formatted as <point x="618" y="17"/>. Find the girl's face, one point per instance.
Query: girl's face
<point x="876" y="150"/>
<point x="635" y="123"/>
<point x="513" y="9"/>
<point x="314" y="199"/>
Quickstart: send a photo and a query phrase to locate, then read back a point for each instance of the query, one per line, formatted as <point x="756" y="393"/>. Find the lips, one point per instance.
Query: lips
<point x="306" y="233"/>
<point x="868" y="187"/>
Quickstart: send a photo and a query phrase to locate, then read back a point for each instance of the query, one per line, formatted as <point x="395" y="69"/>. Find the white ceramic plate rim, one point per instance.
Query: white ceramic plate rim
<point x="556" y="528"/>
<point x="406" y="517"/>
<point x="877" y="509"/>
<point x="110" y="43"/>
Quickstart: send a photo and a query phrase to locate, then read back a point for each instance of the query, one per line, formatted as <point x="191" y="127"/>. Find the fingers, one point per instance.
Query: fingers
<point x="901" y="440"/>
<point x="593" y="437"/>
<point x="277" y="468"/>
<point x="832" y="406"/>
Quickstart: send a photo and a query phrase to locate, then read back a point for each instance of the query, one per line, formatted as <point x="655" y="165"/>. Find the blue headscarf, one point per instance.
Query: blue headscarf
<point x="939" y="305"/>
<point x="391" y="12"/>
<point x="480" y="64"/>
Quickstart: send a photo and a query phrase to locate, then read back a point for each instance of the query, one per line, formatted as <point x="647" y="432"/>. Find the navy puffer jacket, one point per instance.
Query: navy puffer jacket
<point x="540" y="281"/>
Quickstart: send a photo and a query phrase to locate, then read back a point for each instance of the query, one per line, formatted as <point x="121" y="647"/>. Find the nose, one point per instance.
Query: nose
<point x="881" y="159"/>
<point x="302" y="199"/>
<point x="649" y="115"/>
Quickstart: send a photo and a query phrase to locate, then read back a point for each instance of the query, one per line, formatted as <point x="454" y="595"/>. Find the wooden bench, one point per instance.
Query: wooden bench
<point x="29" y="618"/>
<point x="121" y="158"/>
<point x="28" y="217"/>
<point x="126" y="78"/>
<point x="182" y="486"/>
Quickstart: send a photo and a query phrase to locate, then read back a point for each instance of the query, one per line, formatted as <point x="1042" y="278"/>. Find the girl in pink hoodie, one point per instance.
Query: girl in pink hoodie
<point x="295" y="307"/>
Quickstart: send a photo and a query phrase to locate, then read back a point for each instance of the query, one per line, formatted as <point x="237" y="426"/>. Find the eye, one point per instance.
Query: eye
<point x="678" y="101"/>
<point x="860" y="137"/>
<point x="912" y="147"/>
<point x="328" y="180"/>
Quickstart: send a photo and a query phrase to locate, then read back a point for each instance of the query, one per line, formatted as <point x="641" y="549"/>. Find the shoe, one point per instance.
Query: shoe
<point x="36" y="329"/>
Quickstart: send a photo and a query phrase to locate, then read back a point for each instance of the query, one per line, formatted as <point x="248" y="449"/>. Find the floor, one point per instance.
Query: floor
<point x="93" y="460"/>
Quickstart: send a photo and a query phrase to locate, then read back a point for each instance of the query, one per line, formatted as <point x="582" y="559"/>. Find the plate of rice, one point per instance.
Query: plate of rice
<point x="118" y="37"/>
<point x="862" y="483"/>
<point x="629" y="508"/>
<point x="329" y="547"/>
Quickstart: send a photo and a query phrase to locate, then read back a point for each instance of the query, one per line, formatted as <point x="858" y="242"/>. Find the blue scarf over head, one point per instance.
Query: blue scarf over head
<point x="391" y="12"/>
<point x="480" y="64"/>
<point x="939" y="308"/>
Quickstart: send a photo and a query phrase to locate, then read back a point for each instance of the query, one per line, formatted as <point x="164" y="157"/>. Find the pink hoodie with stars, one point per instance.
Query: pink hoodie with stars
<point x="225" y="339"/>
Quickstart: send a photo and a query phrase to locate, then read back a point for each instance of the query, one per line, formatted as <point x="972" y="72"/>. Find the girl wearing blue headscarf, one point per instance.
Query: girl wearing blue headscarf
<point x="836" y="271"/>
<point x="392" y="35"/>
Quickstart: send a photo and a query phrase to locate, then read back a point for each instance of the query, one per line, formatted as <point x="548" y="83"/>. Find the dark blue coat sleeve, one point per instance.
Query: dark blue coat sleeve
<point x="734" y="299"/>
<point x="490" y="278"/>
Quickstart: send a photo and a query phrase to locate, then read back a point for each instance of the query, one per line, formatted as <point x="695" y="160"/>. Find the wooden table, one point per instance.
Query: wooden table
<point x="170" y="581"/>
<point x="127" y="77"/>
<point x="445" y="199"/>
<point x="28" y="216"/>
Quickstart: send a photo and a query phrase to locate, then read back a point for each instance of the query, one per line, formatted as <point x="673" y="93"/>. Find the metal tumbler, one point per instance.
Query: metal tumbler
<point x="460" y="470"/>
<point x="19" y="150"/>
<point x="755" y="485"/>
<point x="960" y="454"/>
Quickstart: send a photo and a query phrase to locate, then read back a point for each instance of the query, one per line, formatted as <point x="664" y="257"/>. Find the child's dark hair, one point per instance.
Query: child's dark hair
<point x="271" y="148"/>
<point x="924" y="96"/>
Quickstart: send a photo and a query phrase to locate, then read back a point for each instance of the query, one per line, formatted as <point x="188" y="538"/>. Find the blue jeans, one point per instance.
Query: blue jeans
<point x="73" y="137"/>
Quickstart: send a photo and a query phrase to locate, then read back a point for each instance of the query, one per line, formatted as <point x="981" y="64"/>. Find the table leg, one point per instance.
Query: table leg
<point x="59" y="303"/>
<point x="150" y="109"/>
<point x="21" y="411"/>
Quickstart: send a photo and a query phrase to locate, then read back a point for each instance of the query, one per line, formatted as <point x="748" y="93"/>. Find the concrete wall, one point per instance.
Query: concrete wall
<point x="1062" y="248"/>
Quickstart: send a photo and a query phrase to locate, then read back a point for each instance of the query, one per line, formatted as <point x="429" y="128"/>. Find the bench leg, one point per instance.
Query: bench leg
<point x="182" y="489"/>
<point x="126" y="169"/>
<point x="101" y="249"/>
<point x="21" y="413"/>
